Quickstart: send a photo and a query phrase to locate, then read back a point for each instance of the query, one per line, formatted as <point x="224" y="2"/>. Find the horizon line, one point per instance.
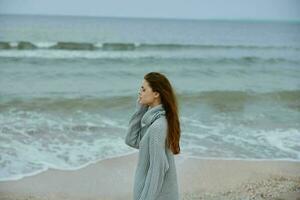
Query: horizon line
<point x="158" y="18"/>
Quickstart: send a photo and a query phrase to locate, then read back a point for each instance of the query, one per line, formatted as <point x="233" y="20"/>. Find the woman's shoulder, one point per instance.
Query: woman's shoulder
<point x="159" y="125"/>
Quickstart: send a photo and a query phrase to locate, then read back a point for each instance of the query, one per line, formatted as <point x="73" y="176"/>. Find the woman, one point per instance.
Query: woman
<point x="154" y="129"/>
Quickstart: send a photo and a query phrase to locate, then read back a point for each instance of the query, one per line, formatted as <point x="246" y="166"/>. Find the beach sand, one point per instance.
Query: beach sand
<point x="198" y="179"/>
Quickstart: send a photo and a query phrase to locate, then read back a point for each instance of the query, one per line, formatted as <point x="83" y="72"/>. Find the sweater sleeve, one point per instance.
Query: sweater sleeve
<point x="159" y="163"/>
<point x="133" y="132"/>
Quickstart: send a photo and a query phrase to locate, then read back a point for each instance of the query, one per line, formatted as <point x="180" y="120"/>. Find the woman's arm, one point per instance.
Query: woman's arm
<point x="133" y="133"/>
<point x="159" y="163"/>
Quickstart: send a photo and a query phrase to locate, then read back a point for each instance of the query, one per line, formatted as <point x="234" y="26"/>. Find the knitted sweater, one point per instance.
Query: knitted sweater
<point x="155" y="175"/>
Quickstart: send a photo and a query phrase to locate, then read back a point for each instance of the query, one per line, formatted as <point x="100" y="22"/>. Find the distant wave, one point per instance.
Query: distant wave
<point x="58" y="103"/>
<point x="104" y="57"/>
<point x="233" y="96"/>
<point x="288" y="97"/>
<point x="65" y="45"/>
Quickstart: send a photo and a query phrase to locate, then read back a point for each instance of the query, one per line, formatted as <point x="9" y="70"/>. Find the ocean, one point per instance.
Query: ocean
<point x="68" y="87"/>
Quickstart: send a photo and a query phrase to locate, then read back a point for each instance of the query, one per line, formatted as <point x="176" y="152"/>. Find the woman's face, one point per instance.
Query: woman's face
<point x="146" y="95"/>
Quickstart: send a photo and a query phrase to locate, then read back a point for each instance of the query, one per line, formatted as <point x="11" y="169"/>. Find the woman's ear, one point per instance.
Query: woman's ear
<point x="156" y="94"/>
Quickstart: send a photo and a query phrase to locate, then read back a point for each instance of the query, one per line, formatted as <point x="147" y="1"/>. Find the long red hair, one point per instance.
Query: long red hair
<point x="159" y="83"/>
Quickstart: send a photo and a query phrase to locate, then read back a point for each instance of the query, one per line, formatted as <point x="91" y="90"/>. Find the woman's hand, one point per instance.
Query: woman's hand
<point x="140" y="106"/>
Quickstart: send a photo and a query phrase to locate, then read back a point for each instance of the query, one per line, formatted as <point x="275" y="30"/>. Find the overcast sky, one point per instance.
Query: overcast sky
<point x="184" y="9"/>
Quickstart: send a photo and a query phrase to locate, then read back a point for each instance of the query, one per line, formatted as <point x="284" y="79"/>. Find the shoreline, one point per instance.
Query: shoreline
<point x="115" y="157"/>
<point x="112" y="178"/>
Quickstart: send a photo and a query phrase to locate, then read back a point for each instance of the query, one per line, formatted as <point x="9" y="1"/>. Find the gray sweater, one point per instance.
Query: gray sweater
<point x="155" y="175"/>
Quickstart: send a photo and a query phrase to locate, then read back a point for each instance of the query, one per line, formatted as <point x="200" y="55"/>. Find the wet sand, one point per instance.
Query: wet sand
<point x="197" y="178"/>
